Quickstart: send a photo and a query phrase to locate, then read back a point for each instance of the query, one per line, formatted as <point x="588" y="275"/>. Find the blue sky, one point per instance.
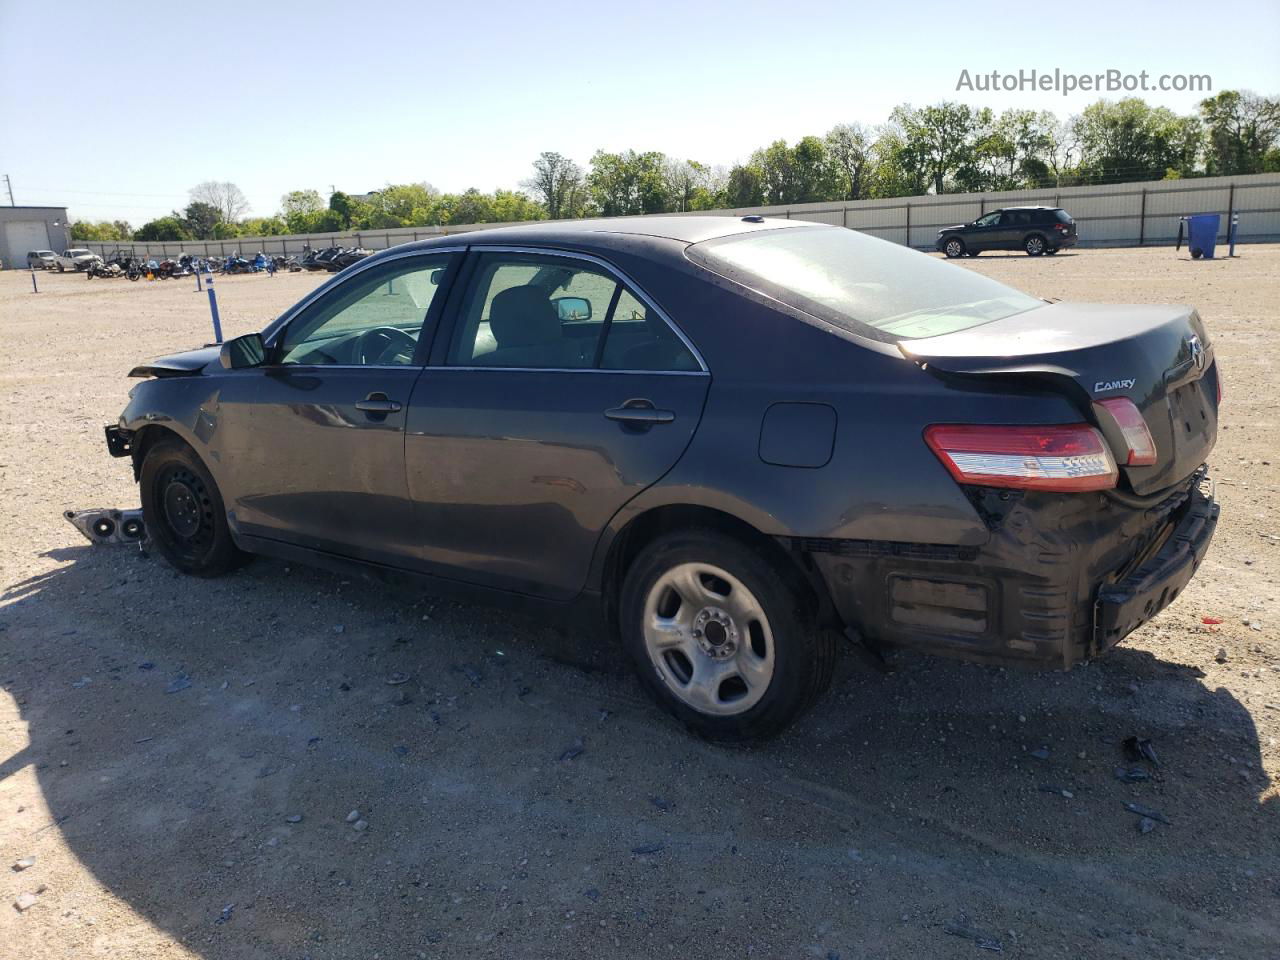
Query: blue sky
<point x="117" y="112"/>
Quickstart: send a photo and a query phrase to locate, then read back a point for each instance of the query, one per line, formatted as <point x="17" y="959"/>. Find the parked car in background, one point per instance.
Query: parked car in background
<point x="1036" y="230"/>
<point x="76" y="258"/>
<point x="41" y="259"/>
<point x="728" y="440"/>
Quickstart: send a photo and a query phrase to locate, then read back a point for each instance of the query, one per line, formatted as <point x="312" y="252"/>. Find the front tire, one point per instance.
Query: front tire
<point x="1034" y="245"/>
<point x="953" y="248"/>
<point x="184" y="513"/>
<point x="722" y="638"/>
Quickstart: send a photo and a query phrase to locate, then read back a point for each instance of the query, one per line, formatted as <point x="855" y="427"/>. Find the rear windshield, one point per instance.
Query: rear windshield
<point x="867" y="286"/>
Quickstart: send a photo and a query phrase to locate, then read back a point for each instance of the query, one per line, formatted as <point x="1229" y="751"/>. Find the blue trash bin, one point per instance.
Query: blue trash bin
<point x="1202" y="234"/>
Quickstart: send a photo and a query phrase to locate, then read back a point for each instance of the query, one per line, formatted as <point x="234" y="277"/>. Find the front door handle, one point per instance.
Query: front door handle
<point x="640" y="413"/>
<point x="378" y="403"/>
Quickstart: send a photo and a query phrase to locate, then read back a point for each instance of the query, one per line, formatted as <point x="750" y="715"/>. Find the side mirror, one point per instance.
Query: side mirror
<point x="572" y="309"/>
<point x="242" y="352"/>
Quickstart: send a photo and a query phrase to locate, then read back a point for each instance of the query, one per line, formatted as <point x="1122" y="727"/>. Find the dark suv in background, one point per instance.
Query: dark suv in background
<point x="1036" y="230"/>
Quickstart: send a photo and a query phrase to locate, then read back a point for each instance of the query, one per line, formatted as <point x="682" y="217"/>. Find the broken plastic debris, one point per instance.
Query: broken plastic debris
<point x="1140" y="748"/>
<point x="1144" y="811"/>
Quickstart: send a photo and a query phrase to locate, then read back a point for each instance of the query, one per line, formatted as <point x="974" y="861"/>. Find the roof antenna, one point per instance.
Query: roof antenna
<point x="753" y="218"/>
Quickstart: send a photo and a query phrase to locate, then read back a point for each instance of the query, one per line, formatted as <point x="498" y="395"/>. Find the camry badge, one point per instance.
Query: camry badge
<point x="1104" y="385"/>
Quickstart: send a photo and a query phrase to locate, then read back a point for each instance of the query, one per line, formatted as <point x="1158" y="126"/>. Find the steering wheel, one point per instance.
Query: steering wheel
<point x="375" y="345"/>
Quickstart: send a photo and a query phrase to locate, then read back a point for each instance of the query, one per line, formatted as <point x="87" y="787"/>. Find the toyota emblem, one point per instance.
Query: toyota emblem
<point x="1196" y="350"/>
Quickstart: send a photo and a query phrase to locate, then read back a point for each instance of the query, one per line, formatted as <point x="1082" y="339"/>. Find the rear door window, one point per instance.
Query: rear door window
<point x="532" y="311"/>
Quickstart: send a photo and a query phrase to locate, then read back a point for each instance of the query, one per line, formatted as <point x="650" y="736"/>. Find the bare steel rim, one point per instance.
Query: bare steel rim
<point x="709" y="639"/>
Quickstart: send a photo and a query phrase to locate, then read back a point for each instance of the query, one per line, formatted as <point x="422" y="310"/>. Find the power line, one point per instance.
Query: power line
<point x="103" y="193"/>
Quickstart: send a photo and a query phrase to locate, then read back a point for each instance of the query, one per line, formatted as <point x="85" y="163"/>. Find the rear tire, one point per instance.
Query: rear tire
<point x="1034" y="245"/>
<point x="184" y="513"/>
<point x="721" y="637"/>
<point x="953" y="248"/>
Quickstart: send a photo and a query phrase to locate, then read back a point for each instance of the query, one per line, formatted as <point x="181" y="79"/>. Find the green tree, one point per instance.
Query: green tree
<point x="1132" y="140"/>
<point x="849" y="152"/>
<point x="300" y="209"/>
<point x="401" y="205"/>
<point x="510" y="206"/>
<point x="557" y="183"/>
<point x="744" y="187"/>
<point x="263" y="227"/>
<point x="937" y="139"/>
<point x="799" y="174"/>
<point x="202" y="219"/>
<point x="629" y="182"/>
<point x="1241" y="127"/>
<point x="171" y="227"/>
<point x="103" y="230"/>
<point x="346" y="207"/>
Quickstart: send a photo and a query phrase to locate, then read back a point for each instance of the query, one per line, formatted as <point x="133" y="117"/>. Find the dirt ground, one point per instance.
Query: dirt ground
<point x="930" y="809"/>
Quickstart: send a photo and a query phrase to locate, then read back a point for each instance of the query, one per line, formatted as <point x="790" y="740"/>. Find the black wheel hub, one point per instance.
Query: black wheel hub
<point x="181" y="509"/>
<point x="184" y="506"/>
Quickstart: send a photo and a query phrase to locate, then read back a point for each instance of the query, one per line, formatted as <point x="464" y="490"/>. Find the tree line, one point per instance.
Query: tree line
<point x="942" y="148"/>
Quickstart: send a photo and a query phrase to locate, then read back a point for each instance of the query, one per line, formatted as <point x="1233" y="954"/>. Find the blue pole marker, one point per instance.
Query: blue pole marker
<point x="197" y="278"/>
<point x="34" y="288"/>
<point x="213" y="309"/>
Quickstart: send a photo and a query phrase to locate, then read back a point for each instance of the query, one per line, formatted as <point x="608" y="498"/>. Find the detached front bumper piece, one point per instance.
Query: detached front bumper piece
<point x="1059" y="580"/>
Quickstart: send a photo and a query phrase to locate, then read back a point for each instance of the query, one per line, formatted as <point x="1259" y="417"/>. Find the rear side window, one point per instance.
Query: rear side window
<point x="859" y="283"/>
<point x="1063" y="216"/>
<point x="528" y="311"/>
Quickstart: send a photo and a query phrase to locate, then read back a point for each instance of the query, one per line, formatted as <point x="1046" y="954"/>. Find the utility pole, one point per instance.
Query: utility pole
<point x="9" y="186"/>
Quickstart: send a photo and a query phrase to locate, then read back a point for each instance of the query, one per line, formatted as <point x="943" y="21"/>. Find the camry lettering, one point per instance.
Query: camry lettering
<point x="1104" y="385"/>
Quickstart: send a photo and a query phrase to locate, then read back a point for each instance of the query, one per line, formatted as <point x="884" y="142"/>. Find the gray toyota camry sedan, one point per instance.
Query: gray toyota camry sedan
<point x="729" y="442"/>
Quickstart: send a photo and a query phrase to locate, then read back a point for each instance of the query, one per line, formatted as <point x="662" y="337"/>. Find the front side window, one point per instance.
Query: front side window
<point x="859" y="283"/>
<point x="372" y="319"/>
<point x="990" y="220"/>
<point x="545" y="312"/>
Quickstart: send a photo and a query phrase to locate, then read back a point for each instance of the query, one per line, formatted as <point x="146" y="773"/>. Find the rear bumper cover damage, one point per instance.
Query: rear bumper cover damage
<point x="1061" y="579"/>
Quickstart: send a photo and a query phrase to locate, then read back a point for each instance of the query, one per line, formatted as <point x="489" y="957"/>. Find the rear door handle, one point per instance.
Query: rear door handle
<point x="378" y="403"/>
<point x="639" y="413"/>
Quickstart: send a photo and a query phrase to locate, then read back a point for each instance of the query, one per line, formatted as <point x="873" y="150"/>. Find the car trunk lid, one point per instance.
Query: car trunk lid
<point x="1159" y="357"/>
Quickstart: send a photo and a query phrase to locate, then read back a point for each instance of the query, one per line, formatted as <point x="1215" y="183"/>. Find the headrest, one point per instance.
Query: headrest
<point x="522" y="316"/>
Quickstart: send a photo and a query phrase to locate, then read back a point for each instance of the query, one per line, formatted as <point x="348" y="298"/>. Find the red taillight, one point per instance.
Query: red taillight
<point x="1142" y="446"/>
<point x="1069" y="459"/>
<point x="1061" y="227"/>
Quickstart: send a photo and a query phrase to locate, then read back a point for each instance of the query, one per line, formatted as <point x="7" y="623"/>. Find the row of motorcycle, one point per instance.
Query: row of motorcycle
<point x="122" y="263"/>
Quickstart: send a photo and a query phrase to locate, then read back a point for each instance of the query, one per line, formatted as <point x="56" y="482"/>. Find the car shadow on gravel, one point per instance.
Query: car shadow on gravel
<point x="288" y="763"/>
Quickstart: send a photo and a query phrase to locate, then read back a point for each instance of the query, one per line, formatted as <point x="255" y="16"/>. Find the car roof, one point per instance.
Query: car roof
<point x="615" y="231"/>
<point x="1030" y="208"/>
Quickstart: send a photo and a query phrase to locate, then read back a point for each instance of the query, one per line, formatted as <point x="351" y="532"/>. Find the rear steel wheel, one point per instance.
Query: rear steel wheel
<point x="709" y="639"/>
<point x="723" y="634"/>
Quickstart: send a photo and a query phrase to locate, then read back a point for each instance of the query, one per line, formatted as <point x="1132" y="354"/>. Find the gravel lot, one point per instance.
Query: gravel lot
<point x="930" y="809"/>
